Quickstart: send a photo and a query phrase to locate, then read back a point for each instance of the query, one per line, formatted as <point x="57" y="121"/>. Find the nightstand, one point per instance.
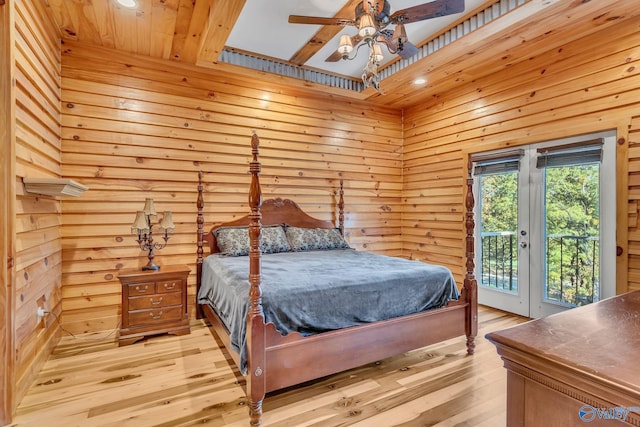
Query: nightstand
<point x="154" y="302"/>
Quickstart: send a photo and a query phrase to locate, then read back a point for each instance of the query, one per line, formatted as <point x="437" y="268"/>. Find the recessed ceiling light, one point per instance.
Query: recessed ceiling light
<point x="419" y="81"/>
<point x="127" y="3"/>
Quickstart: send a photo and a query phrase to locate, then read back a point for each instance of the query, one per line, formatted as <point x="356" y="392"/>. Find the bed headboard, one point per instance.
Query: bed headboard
<point x="278" y="211"/>
<point x="273" y="212"/>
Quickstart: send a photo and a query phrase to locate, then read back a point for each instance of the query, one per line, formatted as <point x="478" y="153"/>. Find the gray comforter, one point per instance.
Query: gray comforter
<point x="316" y="291"/>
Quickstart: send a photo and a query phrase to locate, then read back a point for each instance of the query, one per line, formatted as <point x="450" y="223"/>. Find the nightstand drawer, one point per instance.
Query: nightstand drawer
<point x="158" y="315"/>
<point x="142" y="289"/>
<point x="168" y="286"/>
<point x="155" y="301"/>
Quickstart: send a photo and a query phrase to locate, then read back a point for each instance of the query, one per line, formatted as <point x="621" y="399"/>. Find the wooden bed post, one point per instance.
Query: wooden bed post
<point x="470" y="286"/>
<point x="341" y="210"/>
<point x="199" y="251"/>
<point x="256" y="343"/>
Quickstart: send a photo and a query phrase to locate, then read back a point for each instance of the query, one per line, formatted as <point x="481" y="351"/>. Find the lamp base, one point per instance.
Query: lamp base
<point x="151" y="266"/>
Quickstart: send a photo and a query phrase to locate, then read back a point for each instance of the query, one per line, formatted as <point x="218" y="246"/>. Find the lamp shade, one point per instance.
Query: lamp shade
<point x="377" y="53"/>
<point x="399" y="35"/>
<point x="140" y="225"/>
<point x="366" y="27"/>
<point x="167" y="222"/>
<point x="346" y="45"/>
<point x="149" y="208"/>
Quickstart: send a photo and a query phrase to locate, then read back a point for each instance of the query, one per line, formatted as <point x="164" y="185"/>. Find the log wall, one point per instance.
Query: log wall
<point x="134" y="127"/>
<point x="38" y="219"/>
<point x="585" y="86"/>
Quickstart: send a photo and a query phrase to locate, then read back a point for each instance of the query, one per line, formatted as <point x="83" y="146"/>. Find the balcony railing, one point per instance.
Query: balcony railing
<point x="573" y="269"/>
<point x="571" y="273"/>
<point x="499" y="260"/>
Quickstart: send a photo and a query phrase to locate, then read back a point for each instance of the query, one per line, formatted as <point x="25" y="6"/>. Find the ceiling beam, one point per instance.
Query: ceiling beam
<point x="324" y="35"/>
<point x="222" y="16"/>
<point x="186" y="47"/>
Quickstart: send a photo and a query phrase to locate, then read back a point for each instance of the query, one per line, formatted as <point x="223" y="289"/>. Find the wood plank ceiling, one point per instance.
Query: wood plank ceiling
<point x="195" y="32"/>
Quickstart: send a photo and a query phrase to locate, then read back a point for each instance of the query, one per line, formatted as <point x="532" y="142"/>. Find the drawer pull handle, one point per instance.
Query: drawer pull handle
<point x="156" y="302"/>
<point x="141" y="289"/>
<point x="156" y="316"/>
<point x="170" y="286"/>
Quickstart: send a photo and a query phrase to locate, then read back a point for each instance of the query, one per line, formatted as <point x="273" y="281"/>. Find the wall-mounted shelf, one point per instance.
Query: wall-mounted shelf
<point x="53" y="186"/>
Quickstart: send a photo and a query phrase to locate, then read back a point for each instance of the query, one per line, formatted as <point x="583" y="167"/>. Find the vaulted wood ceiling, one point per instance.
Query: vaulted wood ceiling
<point x="195" y="32"/>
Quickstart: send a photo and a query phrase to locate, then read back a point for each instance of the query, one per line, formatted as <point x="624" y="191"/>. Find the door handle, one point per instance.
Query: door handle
<point x="523" y="245"/>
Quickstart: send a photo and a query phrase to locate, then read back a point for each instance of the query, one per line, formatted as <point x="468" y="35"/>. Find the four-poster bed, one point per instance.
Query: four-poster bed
<point x="272" y="359"/>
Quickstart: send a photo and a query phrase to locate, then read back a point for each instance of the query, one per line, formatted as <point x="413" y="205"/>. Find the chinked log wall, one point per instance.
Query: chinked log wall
<point x="135" y="127"/>
<point x="589" y="85"/>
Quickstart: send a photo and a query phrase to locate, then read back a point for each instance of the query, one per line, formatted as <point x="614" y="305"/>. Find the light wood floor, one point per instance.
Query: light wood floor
<point x="188" y="381"/>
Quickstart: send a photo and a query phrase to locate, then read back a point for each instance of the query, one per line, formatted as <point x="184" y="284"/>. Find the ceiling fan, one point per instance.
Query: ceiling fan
<point x="372" y="17"/>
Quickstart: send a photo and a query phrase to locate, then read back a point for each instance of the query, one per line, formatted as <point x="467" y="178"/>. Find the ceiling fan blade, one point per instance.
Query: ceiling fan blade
<point x="404" y="48"/>
<point x="428" y="11"/>
<point x="317" y="20"/>
<point x="408" y="50"/>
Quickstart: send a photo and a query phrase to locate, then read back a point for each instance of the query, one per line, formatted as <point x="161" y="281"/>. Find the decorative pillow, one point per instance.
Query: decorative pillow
<point x="273" y="240"/>
<point x="234" y="241"/>
<point x="309" y="239"/>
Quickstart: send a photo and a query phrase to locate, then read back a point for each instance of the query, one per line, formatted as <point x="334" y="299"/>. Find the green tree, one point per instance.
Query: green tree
<point x="499" y="202"/>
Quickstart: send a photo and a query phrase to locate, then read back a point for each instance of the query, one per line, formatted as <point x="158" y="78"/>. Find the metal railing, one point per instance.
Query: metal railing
<point x="572" y="267"/>
<point x="499" y="260"/>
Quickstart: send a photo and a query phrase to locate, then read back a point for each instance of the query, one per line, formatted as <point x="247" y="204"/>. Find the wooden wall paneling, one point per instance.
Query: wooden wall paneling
<point x="560" y="69"/>
<point x="37" y="151"/>
<point x="518" y="35"/>
<point x="622" y="219"/>
<point x="549" y="66"/>
<point x="7" y="211"/>
<point x="566" y="91"/>
<point x="633" y="182"/>
<point x="135" y="127"/>
<point x="214" y="111"/>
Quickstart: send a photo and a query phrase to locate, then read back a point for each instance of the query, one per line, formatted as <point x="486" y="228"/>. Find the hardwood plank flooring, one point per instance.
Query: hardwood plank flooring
<point x="188" y="380"/>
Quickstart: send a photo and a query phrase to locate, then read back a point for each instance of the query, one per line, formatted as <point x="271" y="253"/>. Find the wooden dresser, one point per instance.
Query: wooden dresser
<point x="580" y="367"/>
<point x="154" y="302"/>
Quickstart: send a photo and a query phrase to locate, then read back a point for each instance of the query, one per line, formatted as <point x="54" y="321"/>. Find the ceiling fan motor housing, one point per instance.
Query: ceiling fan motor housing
<point x="381" y="16"/>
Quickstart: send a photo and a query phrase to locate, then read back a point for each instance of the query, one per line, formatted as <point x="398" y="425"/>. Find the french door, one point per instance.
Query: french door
<point x="545" y="224"/>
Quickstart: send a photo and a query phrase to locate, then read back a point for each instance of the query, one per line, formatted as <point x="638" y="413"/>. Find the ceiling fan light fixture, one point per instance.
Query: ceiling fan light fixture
<point x="346" y="45"/>
<point x="366" y="27"/>
<point x="371" y="18"/>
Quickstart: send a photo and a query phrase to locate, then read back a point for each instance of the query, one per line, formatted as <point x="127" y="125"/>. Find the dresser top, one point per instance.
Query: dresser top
<point x="600" y="339"/>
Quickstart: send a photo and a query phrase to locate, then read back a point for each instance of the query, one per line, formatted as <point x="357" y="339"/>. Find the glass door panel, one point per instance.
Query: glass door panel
<point x="501" y="242"/>
<point x="572" y="227"/>
<point x="545" y="225"/>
